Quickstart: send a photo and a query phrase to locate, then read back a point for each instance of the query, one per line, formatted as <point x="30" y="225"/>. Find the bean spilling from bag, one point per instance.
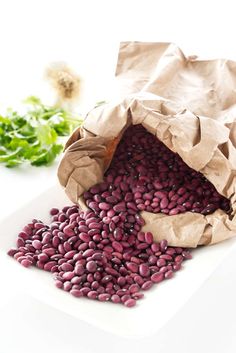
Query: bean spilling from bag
<point x="102" y="253"/>
<point x="96" y="259"/>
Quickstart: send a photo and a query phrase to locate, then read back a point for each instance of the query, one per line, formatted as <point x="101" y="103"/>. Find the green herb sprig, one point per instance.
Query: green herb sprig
<point x="34" y="136"/>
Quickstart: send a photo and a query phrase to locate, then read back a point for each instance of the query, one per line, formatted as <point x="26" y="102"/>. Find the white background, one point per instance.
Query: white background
<point x="86" y="34"/>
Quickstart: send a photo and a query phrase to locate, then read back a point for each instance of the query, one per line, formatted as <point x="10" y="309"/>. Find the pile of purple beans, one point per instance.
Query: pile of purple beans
<point x="97" y="260"/>
<point x="158" y="180"/>
<point x="102" y="253"/>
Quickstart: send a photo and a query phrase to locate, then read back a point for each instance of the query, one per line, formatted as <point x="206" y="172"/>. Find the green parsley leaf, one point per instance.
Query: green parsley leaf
<point x="33" y="137"/>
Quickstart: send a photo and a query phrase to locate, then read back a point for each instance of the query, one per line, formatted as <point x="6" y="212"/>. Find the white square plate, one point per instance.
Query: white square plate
<point x="151" y="313"/>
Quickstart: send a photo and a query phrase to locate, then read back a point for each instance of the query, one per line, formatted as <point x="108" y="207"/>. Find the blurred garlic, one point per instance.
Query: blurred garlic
<point x="65" y="82"/>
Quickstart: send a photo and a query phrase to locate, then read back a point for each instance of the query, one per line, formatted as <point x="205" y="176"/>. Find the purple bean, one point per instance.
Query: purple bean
<point x="160" y="194"/>
<point x="166" y="257"/>
<point x="106" y="279"/>
<point x="163" y="245"/>
<point x="111" y="213"/>
<point x="174" y="211"/>
<point x="144" y="270"/>
<point x="12" y="252"/>
<point x="128" y="197"/>
<point x="181" y="191"/>
<point x="66" y="267"/>
<point x="179" y="259"/>
<point x="117" y="246"/>
<point x="112" y="226"/>
<point x="55" y="241"/>
<point x="76" y="293"/>
<point x="83" y="228"/>
<point x="26" y="263"/>
<point x="111" y="200"/>
<point x="83" y="247"/>
<point x="164" y="203"/>
<point x="157" y="277"/>
<point x="112" y="271"/>
<point x="70" y="254"/>
<point x="79" y="270"/>
<point x="37" y="244"/>
<point x="104" y="206"/>
<point x="121" y="281"/>
<point x="142" y="246"/>
<point x="186" y="255"/>
<point x="169" y="274"/>
<point x="92" y="294"/>
<point x="95" y="285"/>
<point x="54" y="211"/>
<point x="85" y="290"/>
<point x="41" y="265"/>
<point x="61" y="249"/>
<point x="92" y="232"/>
<point x="94" y="206"/>
<point x="131" y="205"/>
<point x="120" y="207"/>
<point x="118" y="234"/>
<point x="122" y="292"/>
<point x="38" y="225"/>
<point x="137" y="295"/>
<point x="68" y="275"/>
<point x="147" y="285"/>
<point x="58" y="284"/>
<point x="177" y="266"/>
<point x="68" y="231"/>
<point x="24" y="235"/>
<point x="134" y="288"/>
<point x="91" y="266"/>
<point x="155" y="247"/>
<point x="84" y="237"/>
<point x="49" y="251"/>
<point x="76" y="280"/>
<point x="115" y="298"/>
<point x="104" y="297"/>
<point x="101" y="290"/>
<point x="49" y="265"/>
<point x="152" y="260"/>
<point x="148" y="238"/>
<point x="88" y="253"/>
<point x="125" y="297"/>
<point x="67" y="246"/>
<point x="67" y="286"/>
<point x="161" y="262"/>
<point x="132" y="266"/>
<point x="130" y="303"/>
<point x="20" y="242"/>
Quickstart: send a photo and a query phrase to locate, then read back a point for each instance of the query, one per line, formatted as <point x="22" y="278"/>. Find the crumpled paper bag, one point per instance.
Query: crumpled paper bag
<point x="190" y="105"/>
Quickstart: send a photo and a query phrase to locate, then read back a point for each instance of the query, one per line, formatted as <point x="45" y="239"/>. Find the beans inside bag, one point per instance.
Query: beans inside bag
<point x="189" y="105"/>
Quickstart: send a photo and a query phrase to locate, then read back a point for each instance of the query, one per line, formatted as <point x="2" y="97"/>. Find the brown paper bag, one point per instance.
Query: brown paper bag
<point x="190" y="105"/>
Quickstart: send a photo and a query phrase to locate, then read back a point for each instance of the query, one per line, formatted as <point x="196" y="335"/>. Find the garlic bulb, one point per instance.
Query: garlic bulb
<point x="65" y="82"/>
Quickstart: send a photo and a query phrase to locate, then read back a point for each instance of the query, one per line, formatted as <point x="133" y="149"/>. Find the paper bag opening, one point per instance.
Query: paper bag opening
<point x="190" y="107"/>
